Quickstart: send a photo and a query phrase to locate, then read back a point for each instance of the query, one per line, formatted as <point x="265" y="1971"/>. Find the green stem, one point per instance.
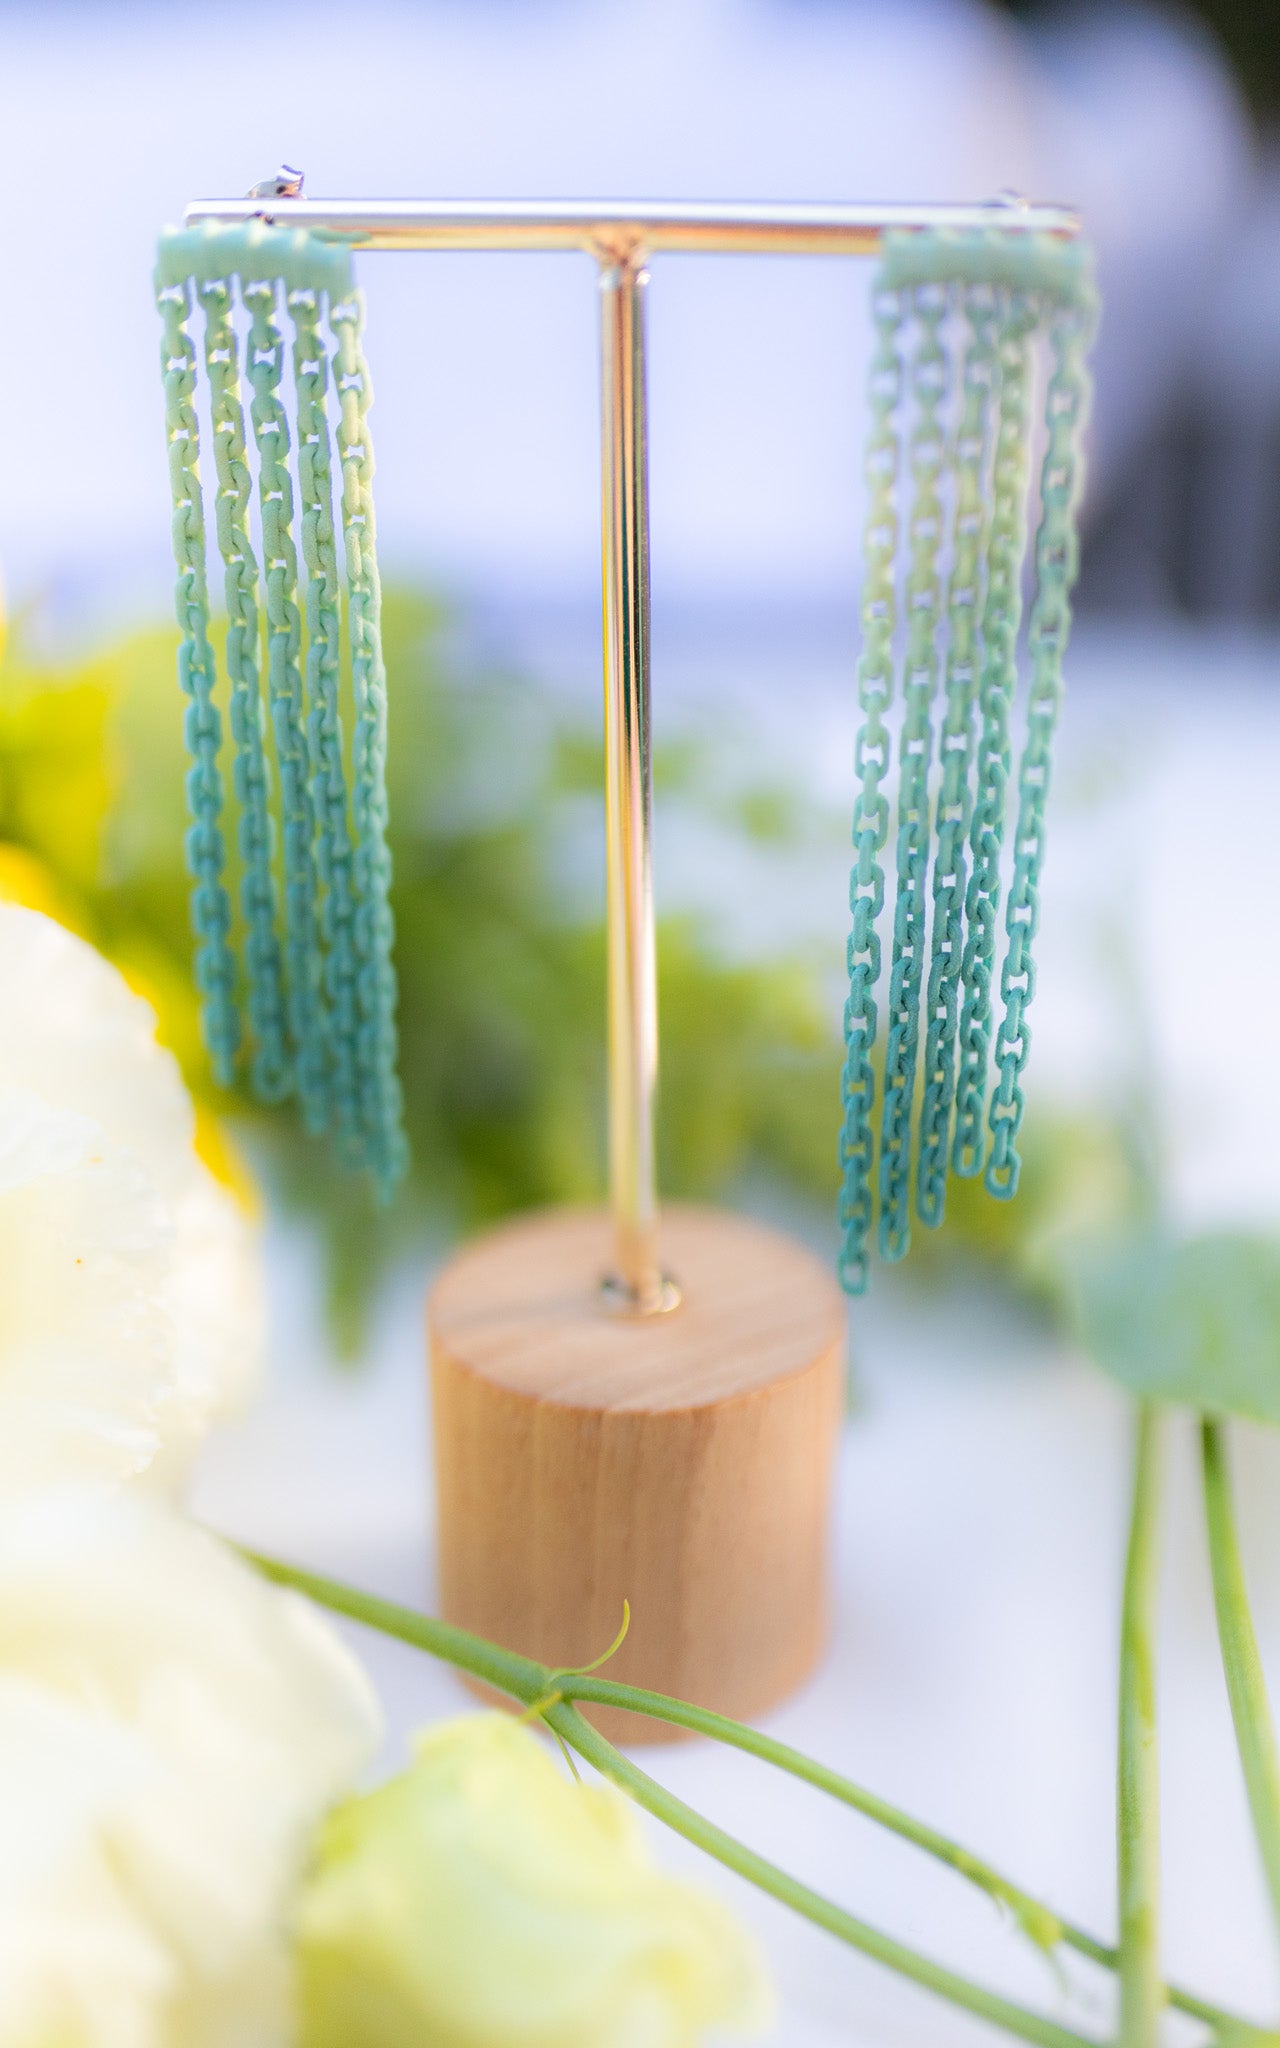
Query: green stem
<point x="522" y="1677"/>
<point x="528" y="1681"/>
<point x="1038" y="1920"/>
<point x="1246" y="1686"/>
<point x="1015" y="2019"/>
<point x="1138" y="1780"/>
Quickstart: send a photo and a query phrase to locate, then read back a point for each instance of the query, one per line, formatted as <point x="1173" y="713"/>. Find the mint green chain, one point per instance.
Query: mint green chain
<point x="955" y="795"/>
<point x="1008" y="285"/>
<point x="326" y="1026"/>
<point x="271" y="1067"/>
<point x="280" y="564"/>
<point x="1001" y="618"/>
<point x="929" y="385"/>
<point x="871" y="808"/>
<point x="324" y="724"/>
<point x="380" y="1101"/>
<point x="215" y="967"/>
<point x="1057" y="562"/>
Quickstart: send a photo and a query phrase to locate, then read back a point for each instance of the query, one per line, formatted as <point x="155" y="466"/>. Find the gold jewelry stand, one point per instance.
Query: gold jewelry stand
<point x="629" y="1406"/>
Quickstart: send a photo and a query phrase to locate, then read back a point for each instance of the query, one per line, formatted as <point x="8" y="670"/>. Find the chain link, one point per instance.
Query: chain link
<point x="284" y="637"/>
<point x="215" y="967"/>
<point x="955" y="795"/>
<point x="1057" y="556"/>
<point x="380" y="1098"/>
<point x="1001" y="618"/>
<point x="929" y="386"/>
<point x="271" y="1073"/>
<point x="871" y="808"/>
<point x="324" y="724"/>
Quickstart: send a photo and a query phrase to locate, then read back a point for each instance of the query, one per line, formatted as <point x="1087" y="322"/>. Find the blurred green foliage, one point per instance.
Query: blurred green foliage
<point x="500" y="946"/>
<point x="495" y="809"/>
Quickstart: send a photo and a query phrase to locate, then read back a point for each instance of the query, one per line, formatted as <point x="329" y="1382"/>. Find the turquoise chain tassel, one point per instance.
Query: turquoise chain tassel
<point x="215" y="967"/>
<point x="871" y="807"/>
<point x="284" y="695"/>
<point x="271" y="1068"/>
<point x="1057" y="565"/>
<point x="379" y="1087"/>
<point x="1001" y="618"/>
<point x="324" y="724"/>
<point x="957" y="745"/>
<point x="929" y="386"/>
<point x="321" y="991"/>
<point x="1008" y="287"/>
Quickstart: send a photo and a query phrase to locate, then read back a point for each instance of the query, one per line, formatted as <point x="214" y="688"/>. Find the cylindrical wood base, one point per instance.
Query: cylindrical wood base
<point x="680" y="1461"/>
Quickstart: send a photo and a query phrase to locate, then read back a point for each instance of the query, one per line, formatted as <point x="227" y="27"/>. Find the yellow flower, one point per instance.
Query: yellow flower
<point x="483" y="1900"/>
<point x="28" y="881"/>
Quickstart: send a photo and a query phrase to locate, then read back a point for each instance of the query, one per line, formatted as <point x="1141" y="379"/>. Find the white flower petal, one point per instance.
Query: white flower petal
<point x="86" y="1341"/>
<point x="215" y="1298"/>
<point x="77" y="1964"/>
<point x="72" y="1031"/>
<point x="215" y="1719"/>
<point x="131" y="1299"/>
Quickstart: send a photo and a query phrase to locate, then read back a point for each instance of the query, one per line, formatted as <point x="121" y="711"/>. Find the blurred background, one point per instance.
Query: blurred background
<point x="1154" y="119"/>
<point x="981" y="1518"/>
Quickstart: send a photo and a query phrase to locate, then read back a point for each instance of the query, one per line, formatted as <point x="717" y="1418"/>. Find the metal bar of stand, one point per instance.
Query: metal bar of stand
<point x="609" y="226"/>
<point x="637" y="1287"/>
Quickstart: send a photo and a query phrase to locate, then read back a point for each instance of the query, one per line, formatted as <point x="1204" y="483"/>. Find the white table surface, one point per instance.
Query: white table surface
<point x="982" y="1483"/>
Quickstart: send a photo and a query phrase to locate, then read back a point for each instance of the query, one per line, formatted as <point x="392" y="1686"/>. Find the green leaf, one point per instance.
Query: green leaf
<point x="1195" y="1320"/>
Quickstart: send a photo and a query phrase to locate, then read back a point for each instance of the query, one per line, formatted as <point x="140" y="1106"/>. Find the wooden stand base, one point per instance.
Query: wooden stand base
<point x="679" y="1461"/>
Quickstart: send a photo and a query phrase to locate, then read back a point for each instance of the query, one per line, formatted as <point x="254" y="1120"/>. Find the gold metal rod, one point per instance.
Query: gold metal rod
<point x="637" y="1285"/>
<point x="613" y="228"/>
